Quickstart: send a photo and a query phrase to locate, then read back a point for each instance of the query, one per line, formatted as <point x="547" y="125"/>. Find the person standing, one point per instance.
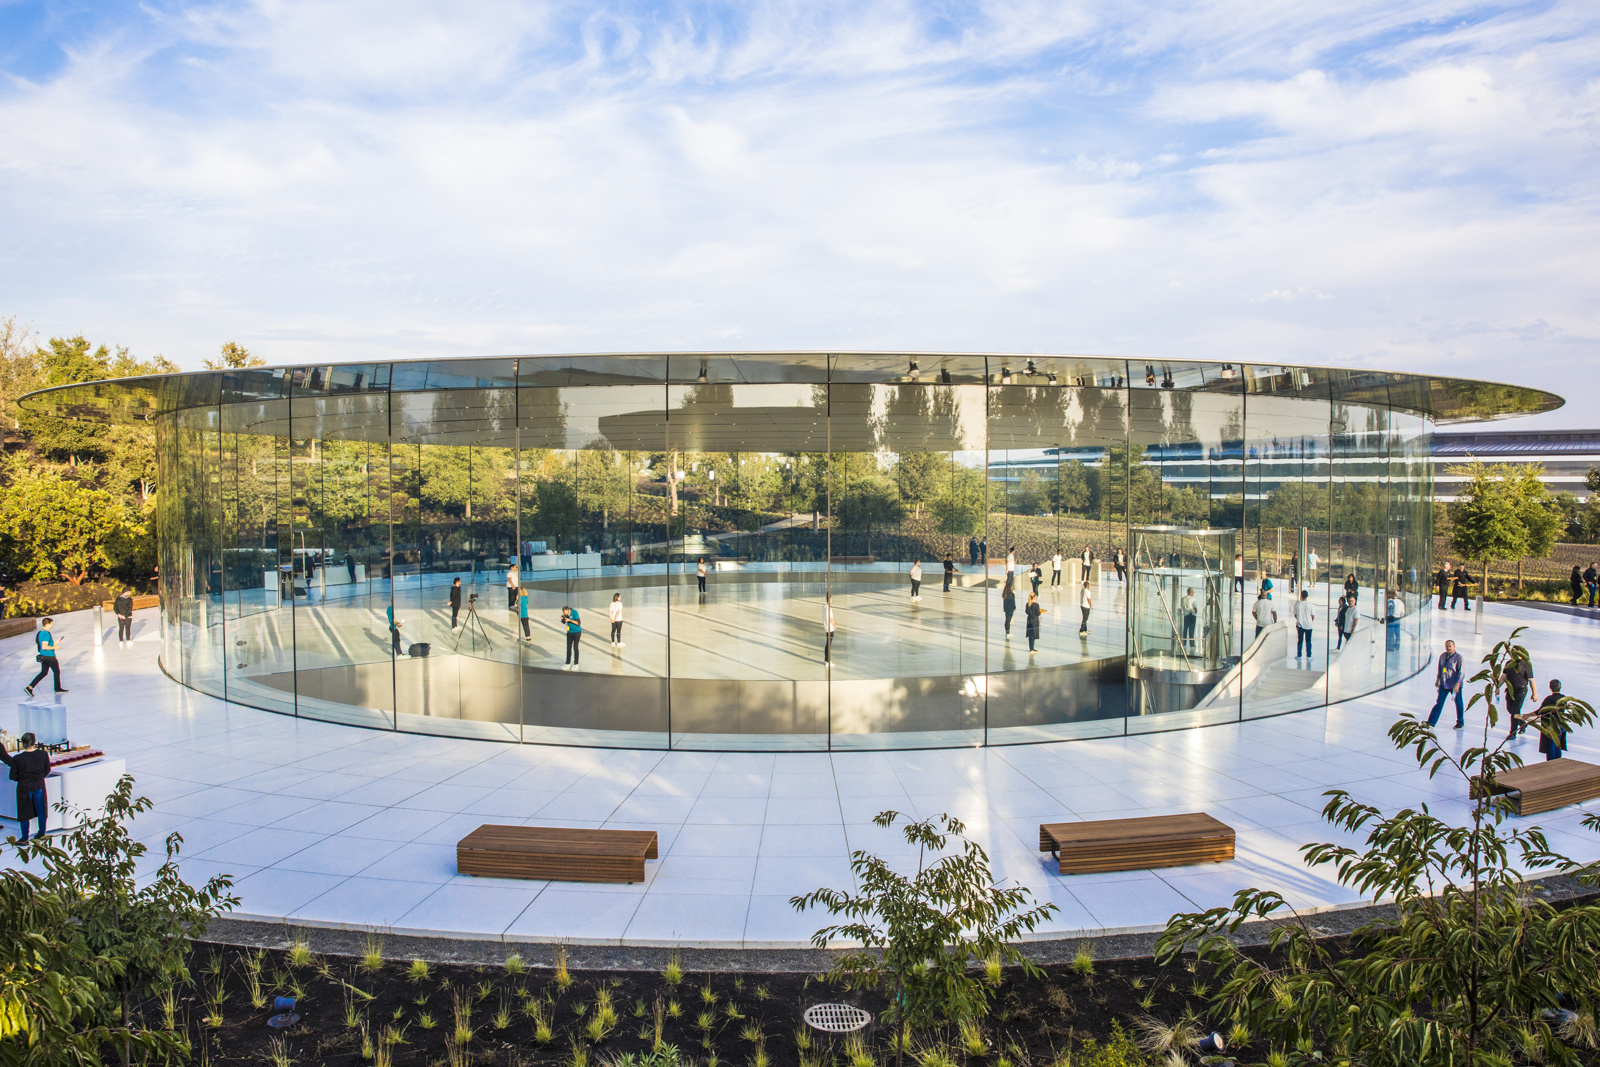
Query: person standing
<point x="1085" y="604"/>
<point x="1088" y="561"/>
<point x="1342" y="614"/>
<point x="916" y="580"/>
<point x="949" y="570"/>
<point x="1554" y="743"/>
<point x="512" y="585"/>
<point x="1311" y="566"/>
<point x="1294" y="572"/>
<point x="394" y="631"/>
<point x="1394" y="609"/>
<point x="28" y="769"/>
<point x="983" y="551"/>
<point x="1519" y="682"/>
<point x="1442" y="581"/>
<point x="1591" y="578"/>
<point x="574" y="623"/>
<point x="615" y="611"/>
<point x="350" y="567"/>
<point x="1011" y="560"/>
<point x="1008" y="602"/>
<point x="972" y="551"/>
<point x="1190" y="609"/>
<point x="45" y="642"/>
<point x="123" y="608"/>
<point x="1033" y="611"/>
<point x="1577" y="587"/>
<point x="1460" y="588"/>
<point x="1351" y="588"/>
<point x="1238" y="572"/>
<point x="1036" y="576"/>
<point x="827" y="630"/>
<point x="1447" y="679"/>
<point x="1263" y="611"/>
<point x="700" y="576"/>
<point x="1304" y="616"/>
<point x="522" y="616"/>
<point x="455" y="604"/>
<point x="1055" y="568"/>
<point x="1121" y="563"/>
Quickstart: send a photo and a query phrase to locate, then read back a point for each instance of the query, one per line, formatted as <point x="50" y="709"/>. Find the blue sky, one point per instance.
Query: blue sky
<point x="1348" y="182"/>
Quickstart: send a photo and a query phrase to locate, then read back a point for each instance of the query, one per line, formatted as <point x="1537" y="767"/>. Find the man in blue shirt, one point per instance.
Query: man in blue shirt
<point x="569" y="616"/>
<point x="1448" y="680"/>
<point x="45" y="641"/>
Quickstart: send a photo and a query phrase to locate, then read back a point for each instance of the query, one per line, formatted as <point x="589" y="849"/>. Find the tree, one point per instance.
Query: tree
<point x="921" y="934"/>
<point x="234" y="356"/>
<point x="72" y="360"/>
<point x="1070" y="490"/>
<point x="1472" y="965"/>
<point x="1028" y="498"/>
<point x="918" y="476"/>
<point x="19" y="366"/>
<point x="1503" y="512"/>
<point x="131" y="933"/>
<point x="56" y="526"/>
<point x="869" y="503"/>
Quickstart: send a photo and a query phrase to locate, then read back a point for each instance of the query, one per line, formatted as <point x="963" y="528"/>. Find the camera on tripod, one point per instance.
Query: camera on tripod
<point x="472" y="597"/>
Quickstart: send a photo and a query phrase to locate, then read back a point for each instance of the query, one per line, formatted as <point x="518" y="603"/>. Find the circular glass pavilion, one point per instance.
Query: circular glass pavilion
<point x="304" y="508"/>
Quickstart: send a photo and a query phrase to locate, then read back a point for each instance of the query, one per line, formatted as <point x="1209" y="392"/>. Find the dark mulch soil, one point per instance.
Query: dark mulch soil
<point x="737" y="1018"/>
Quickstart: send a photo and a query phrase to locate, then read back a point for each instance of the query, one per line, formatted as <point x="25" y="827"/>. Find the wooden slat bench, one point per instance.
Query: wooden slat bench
<point x="13" y="627"/>
<point x="558" y="854"/>
<point x="1547" y="786"/>
<point x="1137" y="844"/>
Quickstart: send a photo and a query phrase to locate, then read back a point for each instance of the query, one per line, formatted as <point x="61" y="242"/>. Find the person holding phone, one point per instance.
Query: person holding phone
<point x="45" y="642"/>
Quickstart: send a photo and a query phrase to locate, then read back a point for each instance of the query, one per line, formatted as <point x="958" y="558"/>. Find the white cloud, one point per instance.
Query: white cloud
<point x="1344" y="183"/>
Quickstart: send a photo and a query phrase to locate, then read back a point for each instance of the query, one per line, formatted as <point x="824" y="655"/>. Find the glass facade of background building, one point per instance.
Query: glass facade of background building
<point x="303" y="508"/>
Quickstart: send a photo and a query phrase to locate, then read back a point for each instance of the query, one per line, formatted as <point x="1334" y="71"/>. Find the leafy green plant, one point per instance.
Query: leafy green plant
<point x="1470" y="964"/>
<point x="426" y="1021"/>
<point x="418" y="971"/>
<point x="921" y="934"/>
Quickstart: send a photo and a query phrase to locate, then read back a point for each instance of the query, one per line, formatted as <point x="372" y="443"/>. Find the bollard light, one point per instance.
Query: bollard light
<point x="1212" y="1044"/>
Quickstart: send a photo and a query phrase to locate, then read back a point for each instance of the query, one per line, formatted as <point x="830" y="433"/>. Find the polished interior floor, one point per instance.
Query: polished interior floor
<point x="323" y="824"/>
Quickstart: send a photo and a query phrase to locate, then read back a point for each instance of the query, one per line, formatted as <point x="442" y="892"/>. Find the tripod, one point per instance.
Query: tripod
<point x="474" y="626"/>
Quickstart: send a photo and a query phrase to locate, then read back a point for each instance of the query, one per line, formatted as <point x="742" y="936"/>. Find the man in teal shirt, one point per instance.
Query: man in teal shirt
<point x="569" y="616"/>
<point x="45" y="641"/>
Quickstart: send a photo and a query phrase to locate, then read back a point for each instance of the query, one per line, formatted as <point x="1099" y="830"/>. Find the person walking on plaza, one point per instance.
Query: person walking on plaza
<point x="1577" y="587"/>
<point x="827" y="628"/>
<point x="1442" y="581"/>
<point x="513" y="583"/>
<point x="1447" y="678"/>
<point x="1055" y="568"/>
<point x="1552" y="747"/>
<point x="574" y="624"/>
<point x="916" y="580"/>
<point x="1189" y="608"/>
<point x="1008" y="601"/>
<point x="394" y="630"/>
<point x="1088" y="561"/>
<point x="615" y="611"/>
<point x="1238" y="572"/>
<point x="45" y="642"/>
<point x="28" y="769"/>
<point x="1036" y="576"/>
<point x="1591" y="578"/>
<point x="455" y="604"/>
<point x="1011" y="560"/>
<point x="1121" y="563"/>
<point x="1305" y="616"/>
<point x="1339" y="620"/>
<point x="1263" y="611"/>
<point x="949" y="570"/>
<point x="1351" y="618"/>
<point x="1518" y="677"/>
<point x="1294" y="572"/>
<point x="1394" y="609"/>
<point x="1351" y="587"/>
<point x="700" y="576"/>
<point x="123" y="608"/>
<point x="1033" y="610"/>
<point x="1085" y="604"/>
<point x="1460" y="589"/>
<point x="522" y="615"/>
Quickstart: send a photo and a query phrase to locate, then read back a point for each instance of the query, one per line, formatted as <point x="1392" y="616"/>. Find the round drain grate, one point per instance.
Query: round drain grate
<point x="836" y="1018"/>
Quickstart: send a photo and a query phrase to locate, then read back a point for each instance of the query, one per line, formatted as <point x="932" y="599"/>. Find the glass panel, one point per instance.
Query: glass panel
<point x="749" y="649"/>
<point x="1357" y="521"/>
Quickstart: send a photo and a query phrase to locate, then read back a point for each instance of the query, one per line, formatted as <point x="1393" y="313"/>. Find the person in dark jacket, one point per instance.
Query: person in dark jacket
<point x="455" y="603"/>
<point x="949" y="571"/>
<point x="1519" y="685"/>
<point x="1591" y="578"/>
<point x="1551" y="746"/>
<point x="1577" y="585"/>
<point x="28" y="770"/>
<point x="1034" y="610"/>
<point x="1442" y="580"/>
<point x="1460" y="591"/>
<point x="122" y="607"/>
<point x="1008" y="601"/>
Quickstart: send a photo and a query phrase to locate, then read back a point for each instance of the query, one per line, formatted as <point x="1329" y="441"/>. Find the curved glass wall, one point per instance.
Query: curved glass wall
<point x="801" y="551"/>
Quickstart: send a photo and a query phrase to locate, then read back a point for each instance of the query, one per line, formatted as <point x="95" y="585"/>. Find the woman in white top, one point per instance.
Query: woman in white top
<point x="616" y="619"/>
<point x="1086" y="602"/>
<point x="700" y="574"/>
<point x="1011" y="559"/>
<point x="512" y="585"/>
<point x="1055" y="569"/>
<point x="916" y="580"/>
<point x="827" y="623"/>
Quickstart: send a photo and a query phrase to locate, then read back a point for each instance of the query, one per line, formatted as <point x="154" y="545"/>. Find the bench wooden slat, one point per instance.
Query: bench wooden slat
<point x="555" y="853"/>
<point x="1546" y="786"/>
<point x="1137" y="843"/>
